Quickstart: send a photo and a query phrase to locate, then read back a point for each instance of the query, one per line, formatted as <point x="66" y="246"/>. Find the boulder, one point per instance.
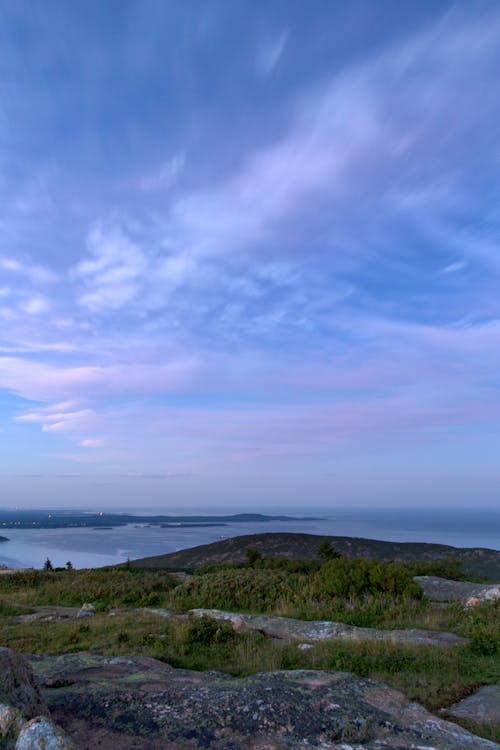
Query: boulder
<point x="483" y="706"/>
<point x="42" y="734"/>
<point x="86" y="610"/>
<point x="442" y="590"/>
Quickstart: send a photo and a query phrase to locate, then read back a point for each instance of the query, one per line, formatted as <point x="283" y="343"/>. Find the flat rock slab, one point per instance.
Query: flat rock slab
<point x="442" y="590"/>
<point x="319" y="630"/>
<point x="143" y="704"/>
<point x="48" y="614"/>
<point x="483" y="706"/>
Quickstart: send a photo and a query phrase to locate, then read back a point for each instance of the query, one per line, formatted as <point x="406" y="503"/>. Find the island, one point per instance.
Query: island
<point x="57" y="519"/>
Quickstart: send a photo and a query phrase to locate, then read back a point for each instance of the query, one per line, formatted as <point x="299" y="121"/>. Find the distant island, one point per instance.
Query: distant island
<point x="54" y="519"/>
<point x="4" y="539"/>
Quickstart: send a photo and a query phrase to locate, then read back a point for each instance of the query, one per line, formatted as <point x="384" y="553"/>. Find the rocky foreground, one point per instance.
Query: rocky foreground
<point x="144" y="704"/>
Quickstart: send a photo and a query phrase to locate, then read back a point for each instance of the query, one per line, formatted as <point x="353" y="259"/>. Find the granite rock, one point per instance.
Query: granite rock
<point x="483" y="706"/>
<point x="291" y="629"/>
<point x="442" y="590"/>
<point x="144" y="704"/>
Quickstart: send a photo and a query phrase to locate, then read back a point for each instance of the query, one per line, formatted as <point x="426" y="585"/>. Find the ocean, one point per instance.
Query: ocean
<point x="459" y="527"/>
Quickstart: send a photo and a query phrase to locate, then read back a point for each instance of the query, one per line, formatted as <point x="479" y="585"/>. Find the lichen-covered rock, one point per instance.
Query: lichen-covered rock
<point x="442" y="590"/>
<point x="42" y="734"/>
<point x="145" y="704"/>
<point x="18" y="687"/>
<point x="289" y="628"/>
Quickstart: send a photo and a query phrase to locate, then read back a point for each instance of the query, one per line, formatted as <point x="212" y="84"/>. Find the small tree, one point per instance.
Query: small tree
<point x="327" y="551"/>
<point x="253" y="556"/>
<point x="69" y="565"/>
<point x="48" y="565"/>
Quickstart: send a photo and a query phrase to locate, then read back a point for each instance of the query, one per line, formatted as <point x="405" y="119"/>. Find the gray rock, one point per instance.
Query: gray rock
<point x="483" y="706"/>
<point x="42" y="734"/>
<point x="320" y="630"/>
<point x="442" y="590"/>
<point x="86" y="610"/>
<point x="114" y="703"/>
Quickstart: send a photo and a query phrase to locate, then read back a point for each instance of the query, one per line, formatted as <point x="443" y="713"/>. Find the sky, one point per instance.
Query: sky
<point x="249" y="253"/>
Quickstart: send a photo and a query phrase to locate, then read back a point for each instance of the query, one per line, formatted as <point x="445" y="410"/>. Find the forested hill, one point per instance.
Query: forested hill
<point x="479" y="561"/>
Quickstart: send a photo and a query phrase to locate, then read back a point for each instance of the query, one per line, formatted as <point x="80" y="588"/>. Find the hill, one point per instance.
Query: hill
<point x="477" y="561"/>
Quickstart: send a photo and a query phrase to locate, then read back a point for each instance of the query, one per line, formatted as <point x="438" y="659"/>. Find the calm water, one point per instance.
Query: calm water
<point x="94" y="548"/>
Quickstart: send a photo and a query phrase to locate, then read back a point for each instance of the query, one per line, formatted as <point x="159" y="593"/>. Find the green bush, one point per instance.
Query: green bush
<point x="206" y="631"/>
<point x="347" y="578"/>
<point x="246" y="589"/>
<point x="287" y="564"/>
<point x="483" y="628"/>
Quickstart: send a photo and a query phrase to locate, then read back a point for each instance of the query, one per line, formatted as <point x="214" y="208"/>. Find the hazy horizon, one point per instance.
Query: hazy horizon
<point x="249" y="254"/>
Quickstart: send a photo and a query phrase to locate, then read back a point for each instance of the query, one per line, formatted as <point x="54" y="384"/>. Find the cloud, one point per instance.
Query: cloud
<point x="375" y="130"/>
<point x="35" y="272"/>
<point x="112" y="274"/>
<point x="55" y="420"/>
<point x="458" y="265"/>
<point x="166" y="176"/>
<point x="92" y="443"/>
<point x="35" y="305"/>
<point x="39" y="381"/>
<point x="270" y="53"/>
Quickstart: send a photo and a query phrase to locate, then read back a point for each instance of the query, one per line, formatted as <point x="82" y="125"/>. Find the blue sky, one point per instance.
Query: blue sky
<point x="249" y="253"/>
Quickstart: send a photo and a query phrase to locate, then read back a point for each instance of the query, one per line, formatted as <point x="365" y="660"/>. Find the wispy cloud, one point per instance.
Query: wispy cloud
<point x="458" y="265"/>
<point x="270" y="53"/>
<point x="166" y="176"/>
<point x="36" y="273"/>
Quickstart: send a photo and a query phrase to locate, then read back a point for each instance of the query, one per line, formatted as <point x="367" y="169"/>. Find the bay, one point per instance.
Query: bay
<point x="87" y="547"/>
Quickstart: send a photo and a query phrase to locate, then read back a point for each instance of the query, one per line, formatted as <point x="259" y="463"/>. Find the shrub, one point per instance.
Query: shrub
<point x="483" y="628"/>
<point x="248" y="589"/>
<point x="343" y="577"/>
<point x="253" y="556"/>
<point x="206" y="631"/>
<point x="327" y="551"/>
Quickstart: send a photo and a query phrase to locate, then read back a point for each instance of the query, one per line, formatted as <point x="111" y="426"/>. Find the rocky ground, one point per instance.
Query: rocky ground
<point x="142" y="704"/>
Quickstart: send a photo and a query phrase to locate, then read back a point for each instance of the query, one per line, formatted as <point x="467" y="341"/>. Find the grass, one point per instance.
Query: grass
<point x="104" y="588"/>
